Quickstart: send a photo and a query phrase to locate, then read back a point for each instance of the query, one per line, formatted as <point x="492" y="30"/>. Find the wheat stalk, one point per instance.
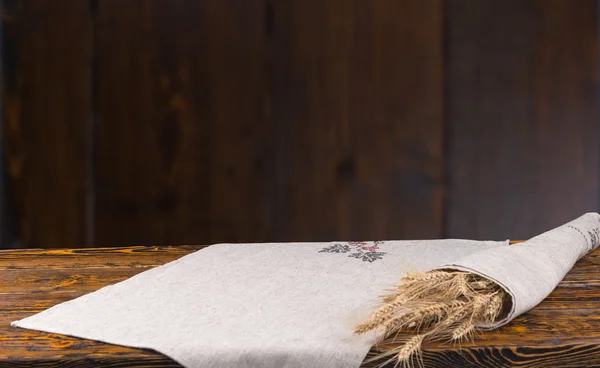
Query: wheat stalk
<point x="436" y="310"/>
<point x="482" y="284"/>
<point x="431" y="276"/>
<point x="448" y="304"/>
<point x="410" y="349"/>
<point x="382" y="314"/>
<point x="494" y="308"/>
<point x="402" y="354"/>
<point x="464" y="331"/>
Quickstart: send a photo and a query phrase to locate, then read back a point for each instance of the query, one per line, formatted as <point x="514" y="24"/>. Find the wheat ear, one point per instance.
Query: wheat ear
<point x="446" y="303"/>
<point x="410" y="349"/>
<point x="431" y="276"/>
<point x="402" y="355"/>
<point x="465" y="330"/>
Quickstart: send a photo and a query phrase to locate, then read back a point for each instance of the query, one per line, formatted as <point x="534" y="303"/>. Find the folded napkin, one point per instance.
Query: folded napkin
<point x="297" y="304"/>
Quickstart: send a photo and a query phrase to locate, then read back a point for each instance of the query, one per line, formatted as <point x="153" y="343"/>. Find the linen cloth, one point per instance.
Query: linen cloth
<point x="529" y="271"/>
<point x="296" y="304"/>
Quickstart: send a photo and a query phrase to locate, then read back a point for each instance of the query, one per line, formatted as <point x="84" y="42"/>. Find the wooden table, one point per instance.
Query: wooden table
<point x="563" y="331"/>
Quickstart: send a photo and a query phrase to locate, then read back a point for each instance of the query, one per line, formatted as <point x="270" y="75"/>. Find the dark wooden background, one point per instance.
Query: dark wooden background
<point x="202" y="121"/>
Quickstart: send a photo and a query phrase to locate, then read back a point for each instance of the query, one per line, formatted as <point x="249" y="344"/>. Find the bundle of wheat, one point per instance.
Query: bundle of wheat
<point x="436" y="305"/>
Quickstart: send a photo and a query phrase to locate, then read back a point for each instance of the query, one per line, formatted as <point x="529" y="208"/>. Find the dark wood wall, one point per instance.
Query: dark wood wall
<point x="202" y="121"/>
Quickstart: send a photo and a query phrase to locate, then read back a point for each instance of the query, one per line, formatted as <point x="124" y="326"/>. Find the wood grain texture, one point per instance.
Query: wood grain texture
<point x="242" y="131"/>
<point x="357" y="98"/>
<point x="396" y="119"/>
<point x="241" y="121"/>
<point x="46" y="107"/>
<point x="152" y="153"/>
<point x="33" y="280"/>
<point x="563" y="331"/>
<point x="522" y="89"/>
<point x="241" y="137"/>
<point x="292" y="121"/>
<point x="182" y="136"/>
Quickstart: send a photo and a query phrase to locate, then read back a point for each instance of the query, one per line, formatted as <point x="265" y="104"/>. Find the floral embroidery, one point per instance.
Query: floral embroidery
<point x="336" y="248"/>
<point x="360" y="250"/>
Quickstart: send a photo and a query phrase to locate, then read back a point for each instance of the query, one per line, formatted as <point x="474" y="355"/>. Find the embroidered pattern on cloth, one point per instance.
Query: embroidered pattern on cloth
<point x="360" y="250"/>
<point x="592" y="239"/>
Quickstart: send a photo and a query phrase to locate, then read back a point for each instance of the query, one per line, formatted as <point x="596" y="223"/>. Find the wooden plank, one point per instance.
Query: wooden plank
<point x="122" y="257"/>
<point x="241" y="133"/>
<point x="183" y="131"/>
<point x="397" y="119"/>
<point x="357" y="104"/>
<point x="151" y="135"/>
<point x="547" y="336"/>
<point x="522" y="116"/>
<point x="573" y="356"/>
<point x="65" y="279"/>
<point x="47" y="112"/>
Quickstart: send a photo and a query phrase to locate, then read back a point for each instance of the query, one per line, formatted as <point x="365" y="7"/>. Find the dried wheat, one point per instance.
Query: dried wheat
<point x="465" y="330"/>
<point x="431" y="276"/>
<point x="493" y="309"/>
<point x="411" y="348"/>
<point x="446" y="303"/>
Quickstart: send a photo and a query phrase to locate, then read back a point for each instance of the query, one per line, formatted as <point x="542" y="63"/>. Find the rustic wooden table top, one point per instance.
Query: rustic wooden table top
<point x="563" y="331"/>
